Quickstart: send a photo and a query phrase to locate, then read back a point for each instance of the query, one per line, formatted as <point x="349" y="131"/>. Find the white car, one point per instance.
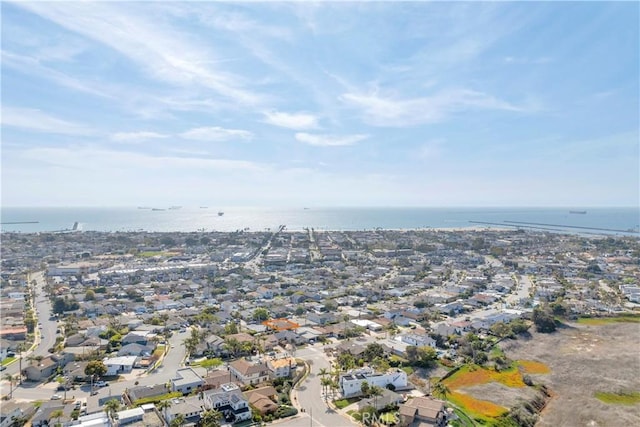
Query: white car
<point x="101" y="384"/>
<point x="56" y="397"/>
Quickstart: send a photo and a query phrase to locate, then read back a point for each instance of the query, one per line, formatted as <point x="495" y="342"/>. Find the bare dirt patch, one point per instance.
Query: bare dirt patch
<point x="585" y="359"/>
<point x="500" y="394"/>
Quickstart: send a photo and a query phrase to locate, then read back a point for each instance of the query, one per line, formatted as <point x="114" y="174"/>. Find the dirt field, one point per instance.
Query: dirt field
<point x="585" y="359"/>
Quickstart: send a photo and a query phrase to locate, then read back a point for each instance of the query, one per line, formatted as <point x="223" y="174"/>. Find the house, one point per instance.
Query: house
<point x="248" y="373"/>
<point x="230" y="402"/>
<point x="137" y="337"/>
<point x="386" y="398"/>
<point x="351" y="383"/>
<point x="119" y="365"/>
<point x="263" y="399"/>
<point x="422" y="411"/>
<point x="417" y="340"/>
<point x="45" y="368"/>
<point x="129" y="416"/>
<point x="135" y="349"/>
<point x="191" y="408"/>
<point x="282" y="368"/>
<point x="9" y="412"/>
<point x="186" y="381"/>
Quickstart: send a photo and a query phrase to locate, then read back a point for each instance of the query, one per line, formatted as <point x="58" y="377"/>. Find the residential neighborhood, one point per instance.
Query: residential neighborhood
<point x="247" y="328"/>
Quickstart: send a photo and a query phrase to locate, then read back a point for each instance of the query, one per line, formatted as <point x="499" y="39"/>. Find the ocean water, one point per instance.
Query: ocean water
<point x="607" y="220"/>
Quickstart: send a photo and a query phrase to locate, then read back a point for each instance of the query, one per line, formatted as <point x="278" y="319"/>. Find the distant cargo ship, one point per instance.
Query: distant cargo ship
<point x="157" y="209"/>
<point x="220" y="213"/>
<point x="578" y="212"/>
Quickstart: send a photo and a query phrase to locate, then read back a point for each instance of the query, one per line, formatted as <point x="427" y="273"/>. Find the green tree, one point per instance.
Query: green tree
<point x="177" y="421"/>
<point x="543" y="319"/>
<point x="210" y="364"/>
<point x="365" y="389"/>
<point x="59" y="305"/>
<point x="95" y="368"/>
<point x="164" y="406"/>
<point x="211" y="418"/>
<point x="111" y="407"/>
<point x="260" y="314"/>
<point x="441" y="390"/>
<point x="372" y="351"/>
<point x="90" y="295"/>
<point x="57" y="414"/>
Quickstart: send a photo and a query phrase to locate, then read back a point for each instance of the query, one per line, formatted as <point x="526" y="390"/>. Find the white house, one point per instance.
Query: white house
<point x="351" y="383"/>
<point x="129" y="416"/>
<point x="282" y="368"/>
<point x="119" y="365"/>
<point x="417" y="340"/>
<point x="228" y="400"/>
<point x="186" y="381"/>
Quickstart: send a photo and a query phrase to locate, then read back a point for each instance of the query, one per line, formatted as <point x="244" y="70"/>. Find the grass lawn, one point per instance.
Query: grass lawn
<point x="598" y="321"/>
<point x="632" y="398"/>
<point x="8" y="360"/>
<point x="342" y="403"/>
<point x="389" y="418"/>
<point x="407" y="369"/>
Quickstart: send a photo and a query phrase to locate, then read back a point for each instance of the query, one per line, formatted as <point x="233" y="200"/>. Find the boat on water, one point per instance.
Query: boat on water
<point x="204" y="207"/>
<point x="157" y="209"/>
<point x="173" y="208"/>
<point x="144" y="207"/>
<point x="578" y="212"/>
<point x="220" y="213"/>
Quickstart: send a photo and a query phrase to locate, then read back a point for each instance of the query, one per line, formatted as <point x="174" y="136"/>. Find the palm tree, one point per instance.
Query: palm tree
<point x="326" y="383"/>
<point x="111" y="407"/>
<point x="9" y="378"/>
<point x="179" y="420"/>
<point x="211" y="418"/>
<point x="441" y="389"/>
<point x="375" y="391"/>
<point x="58" y="413"/>
<point x="164" y="405"/>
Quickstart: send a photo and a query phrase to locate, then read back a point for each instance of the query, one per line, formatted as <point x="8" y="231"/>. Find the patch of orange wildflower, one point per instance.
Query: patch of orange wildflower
<point x="466" y="377"/>
<point x="475" y="406"/>
<point x="533" y="367"/>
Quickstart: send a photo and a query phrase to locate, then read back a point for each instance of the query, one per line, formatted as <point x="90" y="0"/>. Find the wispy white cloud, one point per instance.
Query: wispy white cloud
<point x="329" y="140"/>
<point x="216" y="133"/>
<point x="391" y="111"/>
<point x="296" y="121"/>
<point x="137" y="136"/>
<point x="162" y="51"/>
<point x="38" y="121"/>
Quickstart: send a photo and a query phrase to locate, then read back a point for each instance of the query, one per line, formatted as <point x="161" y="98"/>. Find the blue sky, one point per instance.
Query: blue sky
<point x="320" y="104"/>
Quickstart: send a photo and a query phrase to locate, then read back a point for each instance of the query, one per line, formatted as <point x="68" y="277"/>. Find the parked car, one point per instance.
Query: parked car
<point x="101" y="384"/>
<point x="2" y="368"/>
<point x="56" y="397"/>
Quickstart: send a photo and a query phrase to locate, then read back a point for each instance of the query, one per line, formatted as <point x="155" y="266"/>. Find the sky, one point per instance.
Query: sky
<point x="294" y="104"/>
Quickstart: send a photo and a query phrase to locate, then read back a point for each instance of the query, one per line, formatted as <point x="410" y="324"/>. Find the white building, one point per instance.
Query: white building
<point x="417" y="340"/>
<point x="119" y="365"/>
<point x="186" y="381"/>
<point x="351" y="383"/>
<point x="367" y="324"/>
<point x="282" y="368"/>
<point x="228" y="400"/>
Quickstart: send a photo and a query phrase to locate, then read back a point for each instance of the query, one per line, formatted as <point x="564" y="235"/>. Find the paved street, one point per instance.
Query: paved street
<point x="32" y="392"/>
<point x="308" y="394"/>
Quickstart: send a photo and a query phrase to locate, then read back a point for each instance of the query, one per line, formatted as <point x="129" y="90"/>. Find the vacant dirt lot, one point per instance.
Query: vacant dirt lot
<point x="585" y="359"/>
